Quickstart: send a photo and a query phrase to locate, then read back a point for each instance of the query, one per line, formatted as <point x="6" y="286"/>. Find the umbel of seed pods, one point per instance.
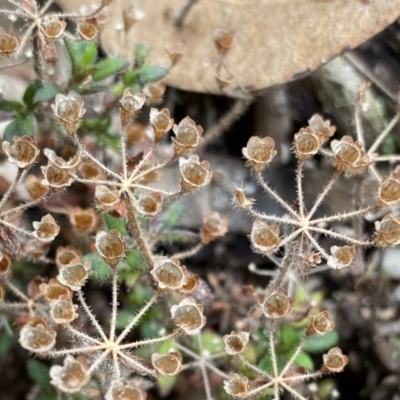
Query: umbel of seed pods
<point x="275" y="306"/>
<point x="349" y="159"/>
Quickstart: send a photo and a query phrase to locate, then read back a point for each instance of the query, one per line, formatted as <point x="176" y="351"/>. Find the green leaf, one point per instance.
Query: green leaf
<point x="123" y="319"/>
<point x="114" y="223"/>
<point x="109" y="67"/>
<point x="100" y="270"/>
<point x="319" y="343"/>
<point x="135" y="260"/>
<point x="83" y="55"/>
<point x="11" y="106"/>
<point x="212" y="343"/>
<point x="129" y="78"/>
<point x="141" y="53"/>
<point x="24" y="124"/>
<point x="290" y="337"/>
<point x="172" y="216"/>
<point x="6" y="343"/>
<point x="29" y="96"/>
<point x="38" y="372"/>
<point x="47" y="92"/>
<point x="304" y="360"/>
<point x="150" y="73"/>
<point x="177" y="236"/>
<point x="166" y="383"/>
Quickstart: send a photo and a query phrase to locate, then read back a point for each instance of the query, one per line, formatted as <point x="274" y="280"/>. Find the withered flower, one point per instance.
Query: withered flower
<point x="259" y="152"/>
<point x="63" y="311"/>
<point x="241" y="200"/>
<point x="55" y="177"/>
<point x="322" y="126"/>
<point x="167" y="364"/>
<point x="194" y="174"/>
<point x="213" y="227"/>
<point x="83" y="221"/>
<point x="69" y="110"/>
<point x="154" y="92"/>
<point x="52" y="28"/>
<point x="111" y="246"/>
<point x="36" y="336"/>
<point x="187" y="136"/>
<point x="71" y="165"/>
<point x="89" y="170"/>
<point x="388" y="231"/>
<point x="36" y="187"/>
<point x="53" y="290"/>
<point x="192" y="281"/>
<point x="65" y="255"/>
<point x="131" y="103"/>
<point x="320" y="324"/>
<point x="188" y="315"/>
<point x="307" y="142"/>
<point x="389" y="192"/>
<point x="9" y="43"/>
<point x="106" y="199"/>
<point x="47" y="229"/>
<point x="125" y="391"/>
<point x="235" y="343"/>
<point x="341" y="256"/>
<point x="149" y="204"/>
<point x="74" y="274"/>
<point x="88" y="29"/>
<point x="334" y="360"/>
<point x="277" y="304"/>
<point x="71" y="377"/>
<point x="237" y="385"/>
<point x="169" y="273"/>
<point x="264" y="237"/>
<point x="23" y="153"/>
<point x="161" y="122"/>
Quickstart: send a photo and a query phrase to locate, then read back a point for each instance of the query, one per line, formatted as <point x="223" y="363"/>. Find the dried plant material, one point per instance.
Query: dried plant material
<point x="277" y="304"/>
<point x="5" y="264"/>
<point x="125" y="391"/>
<point x="264" y="237"/>
<point x="259" y="152"/>
<point x="341" y="256"/>
<point x="69" y="110"/>
<point x="88" y="29"/>
<point x="111" y="246"/>
<point x="36" y="336"/>
<point x="237" y="386"/>
<point x="388" y="231"/>
<point x="187" y="136"/>
<point x="235" y="343"/>
<point x="161" y="123"/>
<point x="334" y="360"/>
<point x="23" y="153"/>
<point x="167" y="364"/>
<point x="9" y="43"/>
<point x="194" y="173"/>
<point x="320" y="324"/>
<point x="47" y="229"/>
<point x="188" y="315"/>
<point x="131" y="104"/>
<point x="169" y="274"/>
<point x="274" y="41"/>
<point x="389" y="192"/>
<point x="36" y="188"/>
<point x="213" y="227"/>
<point x="154" y="92"/>
<point x="63" y="311"/>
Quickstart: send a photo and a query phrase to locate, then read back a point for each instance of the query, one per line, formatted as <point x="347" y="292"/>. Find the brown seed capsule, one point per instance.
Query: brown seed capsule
<point x="223" y="40"/>
<point x="187" y="136"/>
<point x="321" y="126"/>
<point x="235" y="343"/>
<point x="23" y="153"/>
<point x="320" y="324"/>
<point x="106" y="199"/>
<point x="9" y="43"/>
<point x="192" y="281"/>
<point x="350" y="156"/>
<point x="154" y="92"/>
<point x="65" y="255"/>
<point x="388" y="231"/>
<point x="69" y="110"/>
<point x="334" y="360"/>
<point x="36" y="336"/>
<point x="74" y="274"/>
<point x="88" y="170"/>
<point x="149" y="204"/>
<point x="5" y="264"/>
<point x="135" y="134"/>
<point x="167" y="364"/>
<point x="169" y="273"/>
<point x="63" y="311"/>
<point x="237" y="385"/>
<point x="84" y="221"/>
<point x="194" y="174"/>
<point x="264" y="237"/>
<point x="213" y="227"/>
<point x="55" y="177"/>
<point x="241" y="200"/>
<point x="131" y="104"/>
<point x="125" y="391"/>
<point x="52" y="28"/>
<point x="47" y="50"/>
<point x="259" y="152"/>
<point x="53" y="290"/>
<point x="188" y="315"/>
<point x="307" y="142"/>
<point x="87" y="29"/>
<point x="341" y="256"/>
<point x="36" y="187"/>
<point x="389" y="192"/>
<point x="37" y="250"/>
<point x="161" y="122"/>
<point x="70" y="377"/>
<point x="111" y="246"/>
<point x="71" y="165"/>
<point x="277" y="304"/>
<point x="175" y="52"/>
<point x="47" y="229"/>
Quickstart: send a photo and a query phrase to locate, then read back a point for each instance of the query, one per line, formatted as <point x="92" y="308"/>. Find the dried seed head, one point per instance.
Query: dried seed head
<point x="169" y="273"/>
<point x="131" y="104"/>
<point x="320" y="324"/>
<point x="111" y="246"/>
<point x="161" y="122"/>
<point x="52" y="28"/>
<point x="389" y="192"/>
<point x="187" y="136"/>
<point x="167" y="364"/>
<point x="53" y="290"/>
<point x="264" y="237"/>
<point x="259" y="152"/>
<point x="70" y="377"/>
<point x="65" y="255"/>
<point x="188" y="315"/>
<point x="127" y="391"/>
<point x="241" y="200"/>
<point x="9" y="43"/>
<point x="23" y="153"/>
<point x="131" y="15"/>
<point x="47" y="50"/>
<point x="307" y="142"/>
<point x="88" y="170"/>
<point x="35" y="187"/>
<point x="154" y="92"/>
<point x="46" y="230"/>
<point x="74" y="274"/>
<point x="334" y="360"/>
<point x="69" y="110"/>
<point x="84" y="221"/>
<point x="341" y="256"/>
<point x="55" y="177"/>
<point x="36" y="336"/>
<point x="63" y="311"/>
<point x="36" y="250"/>
<point x="223" y="40"/>
<point x="135" y="134"/>
<point x="388" y="231"/>
<point x="5" y="264"/>
<point x="71" y="165"/>
<point x="213" y="227"/>
<point x="235" y="343"/>
<point x="175" y="52"/>
<point x="106" y="199"/>
<point x="9" y="241"/>
<point x="192" y="281"/>
<point x="237" y="385"/>
<point x="194" y="174"/>
<point x="149" y="204"/>
<point x="88" y="29"/>
<point x="322" y="126"/>
<point x="350" y="156"/>
<point x="277" y="304"/>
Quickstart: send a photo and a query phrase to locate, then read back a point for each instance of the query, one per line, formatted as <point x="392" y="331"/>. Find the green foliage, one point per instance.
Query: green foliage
<point x="150" y="73"/>
<point x="321" y="343"/>
<point x="114" y="223"/>
<point x="38" y="372"/>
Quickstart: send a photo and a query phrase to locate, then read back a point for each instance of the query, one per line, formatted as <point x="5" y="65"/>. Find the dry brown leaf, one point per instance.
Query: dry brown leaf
<point x="275" y="41"/>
